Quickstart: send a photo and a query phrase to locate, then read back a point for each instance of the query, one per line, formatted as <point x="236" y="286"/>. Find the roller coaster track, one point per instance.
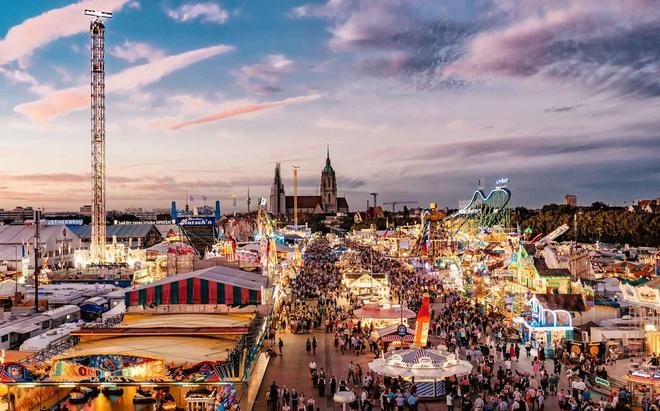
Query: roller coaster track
<point x="483" y="211"/>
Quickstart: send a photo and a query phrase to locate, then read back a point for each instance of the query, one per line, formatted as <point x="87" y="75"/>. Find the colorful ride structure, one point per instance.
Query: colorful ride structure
<point x="432" y="239"/>
<point x="266" y="236"/>
<point x="483" y="212"/>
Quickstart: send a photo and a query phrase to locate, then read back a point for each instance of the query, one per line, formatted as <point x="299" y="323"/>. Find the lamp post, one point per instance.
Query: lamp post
<point x="295" y="196"/>
<point x="15" y="269"/>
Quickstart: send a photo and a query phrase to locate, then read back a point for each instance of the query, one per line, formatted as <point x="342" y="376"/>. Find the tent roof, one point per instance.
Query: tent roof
<point x="219" y="274"/>
<point x="17" y="234"/>
<point x="119" y="230"/>
<point x="8" y="289"/>
<point x="281" y="248"/>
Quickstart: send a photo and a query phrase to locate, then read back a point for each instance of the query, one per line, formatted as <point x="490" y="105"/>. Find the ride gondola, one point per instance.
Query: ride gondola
<point x="143" y="397"/>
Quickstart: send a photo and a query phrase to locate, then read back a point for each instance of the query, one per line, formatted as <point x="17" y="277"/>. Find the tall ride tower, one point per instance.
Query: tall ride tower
<point x="97" y="67"/>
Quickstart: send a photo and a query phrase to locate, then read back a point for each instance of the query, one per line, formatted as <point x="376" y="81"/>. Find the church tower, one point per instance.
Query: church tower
<point x="328" y="187"/>
<point x="277" y="201"/>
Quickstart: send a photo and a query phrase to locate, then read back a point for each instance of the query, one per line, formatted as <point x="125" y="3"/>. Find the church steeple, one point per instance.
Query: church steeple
<point x="277" y="197"/>
<point x="328" y="186"/>
<point x="328" y="165"/>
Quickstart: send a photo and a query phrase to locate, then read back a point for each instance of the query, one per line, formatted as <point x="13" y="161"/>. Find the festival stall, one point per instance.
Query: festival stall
<point x="547" y="319"/>
<point x="384" y="315"/>
<point x="367" y="285"/>
<point x="388" y="337"/>
<point x="644" y="381"/>
<point x="214" y="286"/>
<point x="97" y="368"/>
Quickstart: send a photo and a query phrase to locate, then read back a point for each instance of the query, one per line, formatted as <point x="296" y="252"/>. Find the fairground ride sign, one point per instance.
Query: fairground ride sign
<point x="195" y="221"/>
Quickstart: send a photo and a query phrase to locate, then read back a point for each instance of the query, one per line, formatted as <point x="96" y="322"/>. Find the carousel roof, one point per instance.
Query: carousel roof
<point x="420" y="363"/>
<point x="413" y="356"/>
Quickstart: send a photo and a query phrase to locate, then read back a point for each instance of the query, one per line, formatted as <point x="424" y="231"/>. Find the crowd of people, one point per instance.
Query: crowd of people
<point x="499" y="381"/>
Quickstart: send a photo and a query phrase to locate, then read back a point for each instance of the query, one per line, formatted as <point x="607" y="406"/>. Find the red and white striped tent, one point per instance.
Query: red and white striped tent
<point x="214" y="285"/>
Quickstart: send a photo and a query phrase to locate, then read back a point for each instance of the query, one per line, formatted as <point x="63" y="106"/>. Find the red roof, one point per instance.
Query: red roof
<point x="304" y="201"/>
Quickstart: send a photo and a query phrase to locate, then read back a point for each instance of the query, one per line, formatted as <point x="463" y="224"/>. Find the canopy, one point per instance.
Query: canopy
<point x="383" y="312"/>
<point x="215" y="285"/>
<point x="91" y="308"/>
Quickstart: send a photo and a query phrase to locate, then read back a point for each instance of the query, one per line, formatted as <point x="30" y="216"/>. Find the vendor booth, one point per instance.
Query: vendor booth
<point x="384" y="315"/>
<point x="367" y="284"/>
<point x="543" y="322"/>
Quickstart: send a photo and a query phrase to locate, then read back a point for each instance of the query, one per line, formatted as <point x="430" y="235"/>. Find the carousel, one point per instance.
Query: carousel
<point x="427" y="369"/>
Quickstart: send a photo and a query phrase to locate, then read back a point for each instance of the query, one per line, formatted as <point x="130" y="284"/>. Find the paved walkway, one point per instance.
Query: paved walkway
<point x="292" y="370"/>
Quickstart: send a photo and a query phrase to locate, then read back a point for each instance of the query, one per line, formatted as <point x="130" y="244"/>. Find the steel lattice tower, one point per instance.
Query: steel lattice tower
<point x="97" y="67"/>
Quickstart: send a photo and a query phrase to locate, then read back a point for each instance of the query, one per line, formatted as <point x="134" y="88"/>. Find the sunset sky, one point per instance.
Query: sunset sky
<point x="417" y="99"/>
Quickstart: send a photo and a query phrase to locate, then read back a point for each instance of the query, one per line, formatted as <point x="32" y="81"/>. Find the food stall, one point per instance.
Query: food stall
<point x="383" y="315"/>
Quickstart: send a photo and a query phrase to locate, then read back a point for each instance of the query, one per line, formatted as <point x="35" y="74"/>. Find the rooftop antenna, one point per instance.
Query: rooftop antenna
<point x="97" y="70"/>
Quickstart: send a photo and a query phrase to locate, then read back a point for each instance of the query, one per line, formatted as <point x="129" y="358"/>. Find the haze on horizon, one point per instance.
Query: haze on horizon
<point x="416" y="98"/>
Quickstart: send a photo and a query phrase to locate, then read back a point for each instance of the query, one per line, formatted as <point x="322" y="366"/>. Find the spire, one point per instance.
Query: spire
<point x="327" y="158"/>
<point x="277" y="178"/>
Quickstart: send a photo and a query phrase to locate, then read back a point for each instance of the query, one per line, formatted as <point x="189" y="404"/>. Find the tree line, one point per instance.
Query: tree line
<point x="615" y="225"/>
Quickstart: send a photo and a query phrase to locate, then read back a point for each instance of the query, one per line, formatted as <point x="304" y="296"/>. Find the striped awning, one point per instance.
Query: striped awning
<point x="394" y="337"/>
<point x="412" y="357"/>
<point x="193" y="290"/>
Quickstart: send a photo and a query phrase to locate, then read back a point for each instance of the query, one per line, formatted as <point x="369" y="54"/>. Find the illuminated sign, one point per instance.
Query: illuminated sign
<point x="195" y="221"/>
<point x="602" y="381"/>
<point x="64" y="222"/>
<point x="142" y="222"/>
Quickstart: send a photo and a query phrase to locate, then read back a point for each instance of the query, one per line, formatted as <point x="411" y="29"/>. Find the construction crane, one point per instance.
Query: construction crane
<point x="375" y="195"/>
<point x="394" y="204"/>
<point x="97" y="68"/>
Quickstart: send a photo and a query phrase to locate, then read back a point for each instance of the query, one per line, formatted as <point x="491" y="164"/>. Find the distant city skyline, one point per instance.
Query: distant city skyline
<point x="418" y="99"/>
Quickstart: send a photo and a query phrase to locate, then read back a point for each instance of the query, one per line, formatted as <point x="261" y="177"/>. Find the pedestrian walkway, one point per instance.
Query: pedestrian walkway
<point x="291" y="370"/>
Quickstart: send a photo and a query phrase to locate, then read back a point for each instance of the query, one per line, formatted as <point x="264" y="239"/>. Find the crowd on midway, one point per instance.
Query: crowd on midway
<point x="497" y="382"/>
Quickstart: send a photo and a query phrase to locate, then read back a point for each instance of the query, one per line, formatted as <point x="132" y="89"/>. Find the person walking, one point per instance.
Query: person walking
<point x="274" y="395"/>
<point x="280" y="345"/>
<point x="350" y="370"/>
<point x="314" y="345"/>
<point x="321" y="384"/>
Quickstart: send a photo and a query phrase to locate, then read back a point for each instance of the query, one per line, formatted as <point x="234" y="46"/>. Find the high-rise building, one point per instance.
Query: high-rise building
<point x="277" y="202"/>
<point x="570" y="200"/>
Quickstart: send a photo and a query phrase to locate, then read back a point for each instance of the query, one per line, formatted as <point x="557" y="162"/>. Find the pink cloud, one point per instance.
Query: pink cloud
<point x="132" y="51"/>
<point x="520" y="49"/>
<point x="264" y="78"/>
<point x="35" y="32"/>
<point x="65" y="101"/>
<point x="248" y="108"/>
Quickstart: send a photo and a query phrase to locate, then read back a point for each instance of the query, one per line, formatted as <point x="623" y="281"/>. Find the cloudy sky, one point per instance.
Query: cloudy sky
<point x="418" y="99"/>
